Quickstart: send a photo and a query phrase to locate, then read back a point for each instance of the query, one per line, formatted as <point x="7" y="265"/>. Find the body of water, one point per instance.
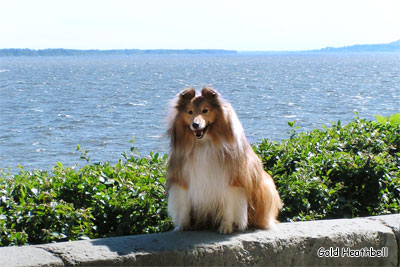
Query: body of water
<point x="48" y="105"/>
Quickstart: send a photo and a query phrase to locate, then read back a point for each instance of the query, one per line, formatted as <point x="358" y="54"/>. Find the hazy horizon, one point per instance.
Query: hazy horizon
<point x="88" y="49"/>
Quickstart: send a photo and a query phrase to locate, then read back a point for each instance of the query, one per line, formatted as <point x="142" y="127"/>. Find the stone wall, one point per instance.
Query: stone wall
<point x="361" y="241"/>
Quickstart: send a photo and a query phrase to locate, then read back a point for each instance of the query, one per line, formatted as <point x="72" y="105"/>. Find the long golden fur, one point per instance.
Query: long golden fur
<point x="214" y="178"/>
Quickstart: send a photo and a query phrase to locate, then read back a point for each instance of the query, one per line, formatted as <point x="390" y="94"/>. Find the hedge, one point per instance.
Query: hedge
<point x="335" y="172"/>
<point x="95" y="201"/>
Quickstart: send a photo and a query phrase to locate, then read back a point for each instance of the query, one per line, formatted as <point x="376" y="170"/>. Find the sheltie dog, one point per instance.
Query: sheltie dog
<point x="214" y="178"/>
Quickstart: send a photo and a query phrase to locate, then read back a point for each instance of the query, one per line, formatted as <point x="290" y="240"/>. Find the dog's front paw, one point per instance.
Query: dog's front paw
<point x="182" y="228"/>
<point x="225" y="228"/>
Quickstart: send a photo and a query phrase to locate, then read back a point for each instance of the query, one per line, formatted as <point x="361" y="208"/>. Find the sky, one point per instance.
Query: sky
<point x="244" y="25"/>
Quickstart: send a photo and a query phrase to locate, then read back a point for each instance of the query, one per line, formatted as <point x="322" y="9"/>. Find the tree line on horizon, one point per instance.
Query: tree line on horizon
<point x="366" y="48"/>
<point x="95" y="52"/>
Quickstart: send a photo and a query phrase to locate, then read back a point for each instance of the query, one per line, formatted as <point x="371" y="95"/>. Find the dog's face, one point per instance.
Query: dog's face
<point x="199" y="112"/>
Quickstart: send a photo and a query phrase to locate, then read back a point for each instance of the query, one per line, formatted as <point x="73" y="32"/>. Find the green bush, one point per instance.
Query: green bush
<point x="98" y="200"/>
<point x="336" y="172"/>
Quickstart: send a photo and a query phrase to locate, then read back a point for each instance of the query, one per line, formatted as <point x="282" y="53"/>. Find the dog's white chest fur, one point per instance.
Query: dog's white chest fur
<point x="209" y="196"/>
<point x="207" y="181"/>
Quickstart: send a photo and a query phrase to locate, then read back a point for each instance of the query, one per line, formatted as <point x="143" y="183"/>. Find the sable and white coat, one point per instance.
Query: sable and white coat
<point x="214" y="178"/>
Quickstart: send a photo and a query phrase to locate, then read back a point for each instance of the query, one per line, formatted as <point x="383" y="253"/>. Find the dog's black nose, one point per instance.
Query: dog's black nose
<point x="195" y="125"/>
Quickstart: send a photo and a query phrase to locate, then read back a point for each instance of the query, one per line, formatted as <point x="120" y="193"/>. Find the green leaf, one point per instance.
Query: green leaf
<point x="395" y="119"/>
<point x="380" y="119"/>
<point x="291" y="123"/>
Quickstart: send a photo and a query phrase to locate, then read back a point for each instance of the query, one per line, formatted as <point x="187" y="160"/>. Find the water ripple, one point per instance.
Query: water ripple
<point x="49" y="105"/>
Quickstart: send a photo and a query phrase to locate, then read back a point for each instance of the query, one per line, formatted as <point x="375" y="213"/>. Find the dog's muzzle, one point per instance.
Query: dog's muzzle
<point x="199" y="133"/>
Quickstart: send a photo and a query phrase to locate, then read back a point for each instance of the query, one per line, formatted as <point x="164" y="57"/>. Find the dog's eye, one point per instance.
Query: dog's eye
<point x="205" y="110"/>
<point x="190" y="112"/>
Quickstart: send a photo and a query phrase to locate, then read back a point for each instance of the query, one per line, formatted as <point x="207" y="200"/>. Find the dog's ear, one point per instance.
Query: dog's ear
<point x="187" y="94"/>
<point x="209" y="93"/>
<point x="184" y="97"/>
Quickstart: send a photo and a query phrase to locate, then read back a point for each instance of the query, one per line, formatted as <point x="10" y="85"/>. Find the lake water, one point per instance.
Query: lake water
<point x="48" y="105"/>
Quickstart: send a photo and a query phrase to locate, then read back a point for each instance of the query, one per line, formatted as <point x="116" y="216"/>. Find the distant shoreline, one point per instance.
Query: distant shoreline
<point x="393" y="47"/>
<point x="120" y="52"/>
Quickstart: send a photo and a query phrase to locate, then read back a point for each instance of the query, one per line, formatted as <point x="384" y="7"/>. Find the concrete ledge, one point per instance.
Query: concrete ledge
<point x="27" y="256"/>
<point x="300" y="243"/>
